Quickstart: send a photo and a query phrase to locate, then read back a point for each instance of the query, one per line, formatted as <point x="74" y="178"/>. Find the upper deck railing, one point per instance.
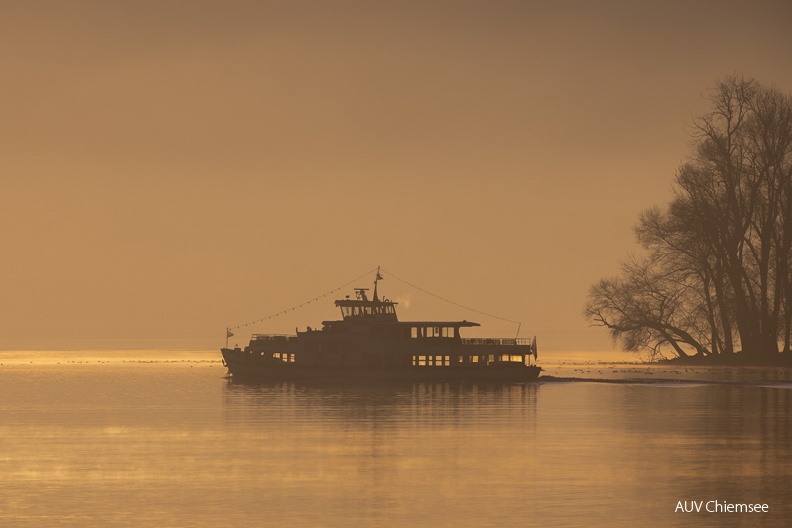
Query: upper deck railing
<point x="474" y="341"/>
<point x="497" y="341"/>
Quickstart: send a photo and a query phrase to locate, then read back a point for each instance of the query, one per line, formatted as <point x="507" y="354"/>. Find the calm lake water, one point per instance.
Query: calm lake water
<point x="163" y="439"/>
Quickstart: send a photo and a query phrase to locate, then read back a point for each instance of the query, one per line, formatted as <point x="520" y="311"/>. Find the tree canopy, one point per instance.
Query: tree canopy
<point x="716" y="275"/>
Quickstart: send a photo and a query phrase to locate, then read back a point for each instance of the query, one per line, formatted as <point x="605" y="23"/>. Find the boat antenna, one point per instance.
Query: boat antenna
<point x="519" y="324"/>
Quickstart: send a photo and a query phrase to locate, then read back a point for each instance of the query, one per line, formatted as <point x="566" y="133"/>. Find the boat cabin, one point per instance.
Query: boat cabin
<point x="363" y="307"/>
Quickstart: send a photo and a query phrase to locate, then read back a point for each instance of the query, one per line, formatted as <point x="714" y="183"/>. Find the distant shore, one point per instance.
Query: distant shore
<point x="738" y="359"/>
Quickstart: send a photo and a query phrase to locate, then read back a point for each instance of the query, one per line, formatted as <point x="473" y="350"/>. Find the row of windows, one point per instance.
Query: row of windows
<point x="355" y="311"/>
<point x="432" y="361"/>
<point x="438" y="361"/>
<point x="286" y="358"/>
<point x="432" y="331"/>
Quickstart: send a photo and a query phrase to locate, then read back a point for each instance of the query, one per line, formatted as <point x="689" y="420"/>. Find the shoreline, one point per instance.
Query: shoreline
<point x="738" y="359"/>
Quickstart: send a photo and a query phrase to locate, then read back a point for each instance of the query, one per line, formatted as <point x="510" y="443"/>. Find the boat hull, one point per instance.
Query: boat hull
<point x="245" y="366"/>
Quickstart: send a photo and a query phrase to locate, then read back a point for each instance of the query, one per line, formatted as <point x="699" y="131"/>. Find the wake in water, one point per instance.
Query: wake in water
<point x="666" y="382"/>
<point x="666" y="375"/>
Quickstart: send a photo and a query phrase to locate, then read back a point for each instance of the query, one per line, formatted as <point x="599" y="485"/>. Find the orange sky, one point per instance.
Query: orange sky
<point x="173" y="168"/>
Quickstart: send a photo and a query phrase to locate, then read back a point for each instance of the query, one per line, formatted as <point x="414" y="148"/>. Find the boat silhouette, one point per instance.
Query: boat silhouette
<point x="370" y="343"/>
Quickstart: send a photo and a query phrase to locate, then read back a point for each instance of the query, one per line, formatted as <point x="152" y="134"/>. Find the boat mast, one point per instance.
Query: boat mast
<point x="377" y="279"/>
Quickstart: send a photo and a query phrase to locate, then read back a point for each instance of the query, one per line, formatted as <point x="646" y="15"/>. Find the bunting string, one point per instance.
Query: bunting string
<point x="334" y="290"/>
<point x="295" y="307"/>
<point x="519" y="324"/>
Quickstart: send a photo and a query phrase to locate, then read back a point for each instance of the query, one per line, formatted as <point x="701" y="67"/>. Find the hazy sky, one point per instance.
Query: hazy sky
<point x="173" y="168"/>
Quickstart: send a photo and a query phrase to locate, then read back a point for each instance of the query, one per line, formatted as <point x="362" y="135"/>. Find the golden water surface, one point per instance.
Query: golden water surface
<point x="164" y="439"/>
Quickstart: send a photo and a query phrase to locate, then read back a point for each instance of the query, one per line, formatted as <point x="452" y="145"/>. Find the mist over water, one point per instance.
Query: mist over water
<point x="162" y="438"/>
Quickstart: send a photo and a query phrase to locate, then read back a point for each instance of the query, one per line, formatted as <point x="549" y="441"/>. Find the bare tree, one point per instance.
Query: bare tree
<point x="646" y="309"/>
<point x="719" y="254"/>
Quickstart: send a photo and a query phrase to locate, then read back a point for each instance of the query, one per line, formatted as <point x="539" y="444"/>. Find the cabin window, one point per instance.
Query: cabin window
<point x="422" y="361"/>
<point x="276" y="355"/>
<point x="504" y="357"/>
<point x="414" y="333"/>
<point x="460" y="358"/>
<point x="491" y="358"/>
<point x="448" y="332"/>
<point x="518" y="359"/>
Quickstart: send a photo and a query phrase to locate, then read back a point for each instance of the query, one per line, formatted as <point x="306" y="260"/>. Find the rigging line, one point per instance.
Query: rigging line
<point x="306" y="302"/>
<point x="452" y="302"/>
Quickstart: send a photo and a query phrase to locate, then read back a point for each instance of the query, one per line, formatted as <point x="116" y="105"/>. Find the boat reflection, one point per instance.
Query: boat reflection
<point x="391" y="402"/>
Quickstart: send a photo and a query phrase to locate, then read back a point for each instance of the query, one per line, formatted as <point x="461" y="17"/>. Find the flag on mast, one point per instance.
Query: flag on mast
<point x="229" y="333"/>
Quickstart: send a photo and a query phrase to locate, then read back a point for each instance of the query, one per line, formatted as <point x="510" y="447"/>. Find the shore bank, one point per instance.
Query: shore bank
<point x="738" y="359"/>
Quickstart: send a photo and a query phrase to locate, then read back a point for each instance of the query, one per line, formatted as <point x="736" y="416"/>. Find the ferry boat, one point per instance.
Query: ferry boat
<point x="369" y="342"/>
